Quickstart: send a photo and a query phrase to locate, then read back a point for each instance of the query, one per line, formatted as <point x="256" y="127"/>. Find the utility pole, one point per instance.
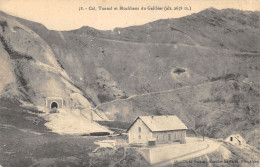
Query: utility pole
<point x="203" y="132"/>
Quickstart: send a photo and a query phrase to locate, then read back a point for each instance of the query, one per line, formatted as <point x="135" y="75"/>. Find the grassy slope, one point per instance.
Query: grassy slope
<point x="25" y="141"/>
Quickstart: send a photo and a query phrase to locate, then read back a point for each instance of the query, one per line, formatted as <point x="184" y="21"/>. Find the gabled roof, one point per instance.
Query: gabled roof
<point x="162" y="123"/>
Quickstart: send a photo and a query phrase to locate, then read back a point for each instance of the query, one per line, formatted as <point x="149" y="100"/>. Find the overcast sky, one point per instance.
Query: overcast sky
<point x="64" y="14"/>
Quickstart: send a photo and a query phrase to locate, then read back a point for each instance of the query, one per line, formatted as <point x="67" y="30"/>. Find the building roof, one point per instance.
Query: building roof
<point x="162" y="123"/>
<point x="236" y="136"/>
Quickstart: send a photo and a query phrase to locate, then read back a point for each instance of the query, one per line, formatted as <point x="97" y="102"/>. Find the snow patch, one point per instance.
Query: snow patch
<point x="81" y="99"/>
<point x="48" y="68"/>
<point x="72" y="122"/>
<point x="70" y="86"/>
<point x="106" y="143"/>
<point x="6" y="76"/>
<point x="12" y="30"/>
<point x="62" y="37"/>
<point x="92" y="115"/>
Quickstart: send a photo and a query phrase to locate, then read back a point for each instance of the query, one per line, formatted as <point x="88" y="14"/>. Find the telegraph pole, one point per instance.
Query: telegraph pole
<point x="203" y="132"/>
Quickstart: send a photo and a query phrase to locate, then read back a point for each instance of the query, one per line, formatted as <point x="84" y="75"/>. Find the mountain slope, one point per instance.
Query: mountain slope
<point x="30" y="73"/>
<point x="31" y="61"/>
<point x="202" y="68"/>
<point x="145" y="64"/>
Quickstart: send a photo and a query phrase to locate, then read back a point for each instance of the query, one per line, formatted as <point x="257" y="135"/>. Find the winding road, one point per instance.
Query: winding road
<point x="212" y="146"/>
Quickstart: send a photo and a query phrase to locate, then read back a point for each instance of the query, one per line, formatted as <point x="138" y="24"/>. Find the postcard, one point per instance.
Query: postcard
<point x="129" y="83"/>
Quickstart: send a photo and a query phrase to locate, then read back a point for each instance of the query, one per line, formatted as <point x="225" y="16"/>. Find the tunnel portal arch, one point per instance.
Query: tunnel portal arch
<point x="52" y="102"/>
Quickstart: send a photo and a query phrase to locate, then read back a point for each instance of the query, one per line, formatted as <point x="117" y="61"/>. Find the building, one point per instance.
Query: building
<point x="148" y="130"/>
<point x="235" y="139"/>
<point x="54" y="102"/>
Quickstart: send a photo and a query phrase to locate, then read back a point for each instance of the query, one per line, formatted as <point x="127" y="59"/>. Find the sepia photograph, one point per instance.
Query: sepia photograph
<point x="129" y="83"/>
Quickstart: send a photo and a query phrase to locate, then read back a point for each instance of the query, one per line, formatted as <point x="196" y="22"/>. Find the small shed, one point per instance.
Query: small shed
<point x="235" y="139"/>
<point x="147" y="130"/>
<point x="54" y="102"/>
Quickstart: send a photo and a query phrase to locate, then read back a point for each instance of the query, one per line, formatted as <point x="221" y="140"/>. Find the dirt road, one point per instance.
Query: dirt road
<point x="212" y="146"/>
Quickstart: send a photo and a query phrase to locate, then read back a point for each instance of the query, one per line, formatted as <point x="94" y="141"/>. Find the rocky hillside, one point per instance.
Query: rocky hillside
<point x="30" y="71"/>
<point x="203" y="68"/>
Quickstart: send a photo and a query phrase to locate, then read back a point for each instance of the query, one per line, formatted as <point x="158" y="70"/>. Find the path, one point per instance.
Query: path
<point x="152" y="93"/>
<point x="146" y="94"/>
<point x="118" y="161"/>
<point x="212" y="146"/>
<point x="172" y="44"/>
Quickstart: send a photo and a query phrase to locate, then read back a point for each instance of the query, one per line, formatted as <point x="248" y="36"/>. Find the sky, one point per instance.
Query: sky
<point x="65" y="14"/>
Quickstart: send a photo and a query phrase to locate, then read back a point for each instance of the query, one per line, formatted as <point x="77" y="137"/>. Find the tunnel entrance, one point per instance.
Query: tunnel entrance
<point x="54" y="102"/>
<point x="54" y="105"/>
<point x="179" y="71"/>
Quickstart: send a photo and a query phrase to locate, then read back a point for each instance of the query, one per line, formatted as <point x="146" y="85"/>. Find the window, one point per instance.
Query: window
<point x="157" y="137"/>
<point x="231" y="138"/>
<point x="139" y="136"/>
<point x="139" y="129"/>
<point x="169" y="137"/>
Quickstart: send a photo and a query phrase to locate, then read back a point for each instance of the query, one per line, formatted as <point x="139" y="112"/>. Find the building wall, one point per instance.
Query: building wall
<point x="237" y="140"/>
<point x="171" y="151"/>
<point x="139" y="137"/>
<point x="135" y="136"/>
<point x="50" y="101"/>
<point x="169" y="136"/>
